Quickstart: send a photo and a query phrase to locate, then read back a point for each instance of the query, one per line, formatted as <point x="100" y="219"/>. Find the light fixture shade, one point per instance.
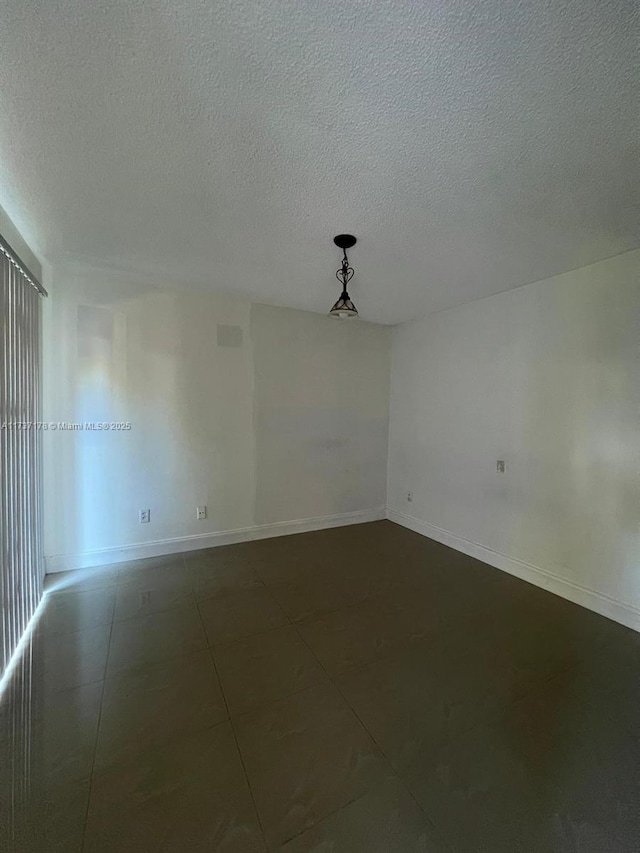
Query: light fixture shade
<point x="344" y="308"/>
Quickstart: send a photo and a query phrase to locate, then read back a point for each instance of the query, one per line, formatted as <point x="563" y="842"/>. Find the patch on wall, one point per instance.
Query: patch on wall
<point x="229" y="336"/>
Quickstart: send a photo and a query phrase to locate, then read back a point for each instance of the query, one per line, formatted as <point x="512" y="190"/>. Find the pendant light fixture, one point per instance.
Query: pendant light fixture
<point x="344" y="307"/>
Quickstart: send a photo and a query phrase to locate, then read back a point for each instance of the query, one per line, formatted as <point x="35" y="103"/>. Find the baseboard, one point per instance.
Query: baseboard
<point x="162" y="547"/>
<point x="603" y="604"/>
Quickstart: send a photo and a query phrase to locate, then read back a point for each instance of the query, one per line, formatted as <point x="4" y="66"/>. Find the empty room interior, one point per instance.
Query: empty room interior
<point x="320" y="426"/>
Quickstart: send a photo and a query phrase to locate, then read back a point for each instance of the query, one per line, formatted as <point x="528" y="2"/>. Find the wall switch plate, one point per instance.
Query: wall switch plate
<point x="500" y="466"/>
<point x="144" y="516"/>
<point x="410" y="497"/>
<point x="201" y="512"/>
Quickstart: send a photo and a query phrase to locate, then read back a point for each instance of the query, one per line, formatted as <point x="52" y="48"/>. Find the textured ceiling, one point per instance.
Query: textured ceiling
<point x="471" y="146"/>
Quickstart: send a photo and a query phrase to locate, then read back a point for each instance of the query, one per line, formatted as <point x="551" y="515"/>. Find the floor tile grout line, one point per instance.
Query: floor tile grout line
<point x="395" y="772"/>
<point x="235" y="736"/>
<point x="233" y="592"/>
<point x="380" y="595"/>
<point x="95" y="746"/>
<point x="231" y="719"/>
<point x="323" y="613"/>
<point x="326" y="817"/>
<point x="230" y="643"/>
<point x="209" y="649"/>
<point x="294" y="623"/>
<point x="267" y="588"/>
<point x="270" y="702"/>
<point x="382" y="658"/>
<point x="187" y="601"/>
<point x="213" y="645"/>
<point x="320" y="664"/>
<point x="43" y="632"/>
<point x="289" y="624"/>
<point x="163" y="560"/>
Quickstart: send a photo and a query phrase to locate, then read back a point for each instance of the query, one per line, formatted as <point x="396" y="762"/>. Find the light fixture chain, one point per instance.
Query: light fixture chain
<point x="345" y="273"/>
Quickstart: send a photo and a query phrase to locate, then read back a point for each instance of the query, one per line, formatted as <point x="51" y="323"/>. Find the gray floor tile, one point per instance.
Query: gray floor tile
<point x="480" y="793"/>
<point x="535" y="650"/>
<point x="422" y="697"/>
<point x="211" y="580"/>
<point x="224" y="556"/>
<point x="306" y="756"/>
<point x="147" y="639"/>
<point x="510" y="714"/>
<point x="613" y="683"/>
<point x="82" y="580"/>
<point x="62" y="661"/>
<point x="276" y="562"/>
<point x="156" y="702"/>
<point x="144" y="599"/>
<point x="240" y="614"/>
<point x="549" y="775"/>
<point x="186" y="795"/>
<point x="265" y="667"/>
<point x="36" y="820"/>
<point x="311" y="594"/>
<point x="48" y="739"/>
<point x="384" y="820"/>
<point x="47" y="743"/>
<point x="354" y="636"/>
<point x="156" y="572"/>
<point x="66" y="612"/>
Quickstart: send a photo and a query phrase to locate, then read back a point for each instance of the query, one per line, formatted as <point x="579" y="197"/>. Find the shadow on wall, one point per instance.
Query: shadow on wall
<point x="125" y="402"/>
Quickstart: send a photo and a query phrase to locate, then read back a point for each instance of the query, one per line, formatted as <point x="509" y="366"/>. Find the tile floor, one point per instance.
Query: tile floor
<point x="357" y="690"/>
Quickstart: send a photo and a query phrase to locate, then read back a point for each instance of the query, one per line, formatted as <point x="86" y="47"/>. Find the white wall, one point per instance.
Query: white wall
<point x="290" y="424"/>
<point x="546" y="377"/>
<point x="321" y="411"/>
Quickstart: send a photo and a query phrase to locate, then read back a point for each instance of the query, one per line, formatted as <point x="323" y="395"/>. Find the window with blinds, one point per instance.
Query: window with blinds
<point x="20" y="441"/>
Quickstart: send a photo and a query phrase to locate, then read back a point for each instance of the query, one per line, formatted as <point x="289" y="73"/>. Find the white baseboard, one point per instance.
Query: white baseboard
<point x="162" y="547"/>
<point x="603" y="604"/>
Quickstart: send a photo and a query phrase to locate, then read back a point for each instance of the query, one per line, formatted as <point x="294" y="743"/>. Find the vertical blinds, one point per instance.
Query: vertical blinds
<point x="20" y="439"/>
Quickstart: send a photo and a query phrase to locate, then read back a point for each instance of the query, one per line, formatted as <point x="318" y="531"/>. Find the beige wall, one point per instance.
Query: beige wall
<point x="273" y="430"/>
<point x="547" y="378"/>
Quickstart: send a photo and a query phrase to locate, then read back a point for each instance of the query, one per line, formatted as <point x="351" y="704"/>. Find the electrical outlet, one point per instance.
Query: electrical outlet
<point x="144" y="516"/>
<point x="201" y="512"/>
<point x="410" y="497"/>
<point x="500" y="466"/>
